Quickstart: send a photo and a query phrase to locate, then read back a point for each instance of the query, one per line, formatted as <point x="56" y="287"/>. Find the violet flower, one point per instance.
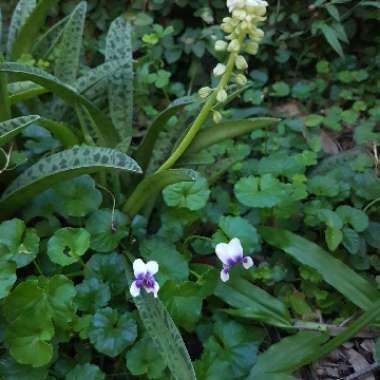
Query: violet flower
<point x="230" y="254"/>
<point x="144" y="278"/>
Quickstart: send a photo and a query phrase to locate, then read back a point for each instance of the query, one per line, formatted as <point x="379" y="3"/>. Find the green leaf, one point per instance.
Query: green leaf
<point x="333" y="237"/>
<point x="85" y="371"/>
<point x="111" y="333"/>
<point x="107" y="229"/>
<point x="67" y="93"/>
<point x="11" y="128"/>
<point x="66" y="164"/>
<point x="173" y="265"/>
<point x="251" y="302"/>
<point x="190" y="195"/>
<point x="30" y="310"/>
<point x="351" y="240"/>
<point x="29" y="342"/>
<point x="11" y="370"/>
<point x="184" y="303"/>
<point x="230" y="352"/>
<point x="92" y="294"/>
<point x="287" y="355"/>
<point x="120" y="83"/>
<point x="18" y="243"/>
<point x="354" y="287"/>
<point x="263" y="192"/>
<point x="145" y="149"/>
<point x="67" y="245"/>
<point x="8" y="277"/>
<point x="77" y="197"/>
<point x="20" y="14"/>
<point x="5" y="102"/>
<point x="110" y="269"/>
<point x="331" y="37"/>
<point x="227" y="130"/>
<point x="237" y="227"/>
<point x="151" y="185"/>
<point x="280" y="89"/>
<point x="166" y="337"/>
<point x="28" y="31"/>
<point x="142" y="359"/>
<point x="358" y="219"/>
<point x="68" y="53"/>
<point x="47" y="42"/>
<point x="23" y="90"/>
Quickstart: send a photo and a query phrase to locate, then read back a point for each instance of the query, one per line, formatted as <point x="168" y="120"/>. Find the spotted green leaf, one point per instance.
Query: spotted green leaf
<point x="30" y="28"/>
<point x="24" y="90"/>
<point x="67" y="62"/>
<point x="166" y="337"/>
<point x="66" y="164"/>
<point x="120" y="83"/>
<point x="67" y="93"/>
<point x="48" y="41"/>
<point x="10" y="128"/>
<point x="23" y="9"/>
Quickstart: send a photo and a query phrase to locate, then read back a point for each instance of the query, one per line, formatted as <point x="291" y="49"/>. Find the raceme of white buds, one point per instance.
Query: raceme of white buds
<point x="243" y="35"/>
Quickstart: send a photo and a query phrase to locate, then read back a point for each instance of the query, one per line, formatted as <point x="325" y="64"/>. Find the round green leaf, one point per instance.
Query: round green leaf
<point x="191" y="195"/>
<point x="7" y="277"/>
<point x="92" y="294"/>
<point x="67" y="245"/>
<point x="110" y="269"/>
<point x="142" y="359"/>
<point x="77" y="197"/>
<point x="18" y="243"/>
<point x="237" y="227"/>
<point x="85" y="371"/>
<point x="11" y="370"/>
<point x="111" y="333"/>
<point x="107" y="229"/>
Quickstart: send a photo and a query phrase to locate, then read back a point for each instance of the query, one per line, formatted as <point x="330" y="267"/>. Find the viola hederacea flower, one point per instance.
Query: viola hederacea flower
<point x="230" y="254"/>
<point x="144" y="278"/>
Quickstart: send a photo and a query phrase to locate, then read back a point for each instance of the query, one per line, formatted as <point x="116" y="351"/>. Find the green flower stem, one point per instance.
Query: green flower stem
<point x="198" y="122"/>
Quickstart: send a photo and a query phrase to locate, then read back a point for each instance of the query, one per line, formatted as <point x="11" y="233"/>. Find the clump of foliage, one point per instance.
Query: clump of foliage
<point x="99" y="166"/>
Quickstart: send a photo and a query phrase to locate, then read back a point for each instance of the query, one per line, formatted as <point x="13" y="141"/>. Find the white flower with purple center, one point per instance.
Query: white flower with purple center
<point x="144" y="278"/>
<point x="230" y="254"/>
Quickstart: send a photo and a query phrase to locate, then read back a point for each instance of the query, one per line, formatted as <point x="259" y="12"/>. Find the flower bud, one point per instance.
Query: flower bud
<point x="217" y="117"/>
<point x="241" y="79"/>
<point x="251" y="48"/>
<point x="219" y="70"/>
<point x="241" y="63"/>
<point x="204" y="92"/>
<point x="234" y="46"/>
<point x="227" y="28"/>
<point x="221" y="96"/>
<point x="220" y="45"/>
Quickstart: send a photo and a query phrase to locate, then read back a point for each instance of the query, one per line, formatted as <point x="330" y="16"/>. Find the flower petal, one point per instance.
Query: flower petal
<point x="223" y="252"/>
<point x="152" y="267"/>
<point x="156" y="289"/>
<point x="247" y="262"/>
<point x="224" y="275"/>
<point x="235" y="248"/>
<point x="134" y="290"/>
<point x="139" y="268"/>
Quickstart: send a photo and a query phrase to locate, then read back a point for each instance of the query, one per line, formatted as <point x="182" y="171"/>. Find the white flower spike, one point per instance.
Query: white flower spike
<point x="144" y="278"/>
<point x="230" y="254"/>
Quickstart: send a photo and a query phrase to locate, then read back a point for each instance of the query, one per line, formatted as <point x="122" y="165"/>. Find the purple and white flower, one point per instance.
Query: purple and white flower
<point x="144" y="278"/>
<point x="230" y="254"/>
